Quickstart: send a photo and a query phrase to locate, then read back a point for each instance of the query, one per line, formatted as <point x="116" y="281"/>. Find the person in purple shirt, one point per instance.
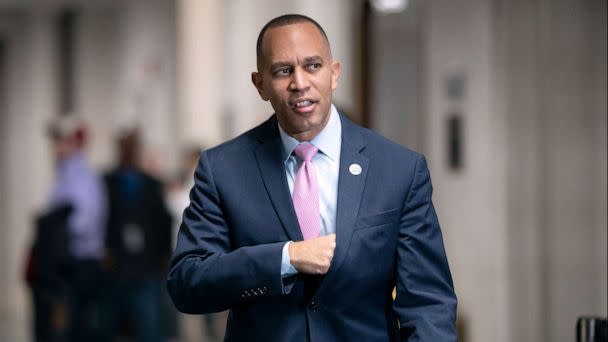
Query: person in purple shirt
<point x="77" y="185"/>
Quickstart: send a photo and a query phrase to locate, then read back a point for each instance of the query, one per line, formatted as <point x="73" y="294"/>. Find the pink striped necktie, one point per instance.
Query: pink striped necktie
<point x="305" y="192"/>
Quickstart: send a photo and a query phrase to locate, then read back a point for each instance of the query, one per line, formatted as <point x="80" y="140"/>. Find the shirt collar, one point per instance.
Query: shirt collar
<point x="327" y="141"/>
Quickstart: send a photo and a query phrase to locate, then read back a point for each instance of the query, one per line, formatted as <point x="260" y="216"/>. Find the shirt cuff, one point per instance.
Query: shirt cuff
<point x="287" y="270"/>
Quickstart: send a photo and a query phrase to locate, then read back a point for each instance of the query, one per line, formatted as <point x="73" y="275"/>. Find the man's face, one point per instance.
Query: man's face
<point x="128" y="148"/>
<point x="63" y="147"/>
<point x="298" y="77"/>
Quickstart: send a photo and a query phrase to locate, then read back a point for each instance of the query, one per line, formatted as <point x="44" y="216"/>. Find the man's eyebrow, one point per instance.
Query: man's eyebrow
<point x="306" y="60"/>
<point x="313" y="59"/>
<point x="279" y="64"/>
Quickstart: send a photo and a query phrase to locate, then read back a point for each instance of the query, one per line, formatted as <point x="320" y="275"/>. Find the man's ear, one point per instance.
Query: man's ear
<point x="335" y="74"/>
<point x="256" y="79"/>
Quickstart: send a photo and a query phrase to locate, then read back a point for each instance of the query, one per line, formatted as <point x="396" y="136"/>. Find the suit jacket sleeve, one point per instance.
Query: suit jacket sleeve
<point x="425" y="302"/>
<point x="207" y="273"/>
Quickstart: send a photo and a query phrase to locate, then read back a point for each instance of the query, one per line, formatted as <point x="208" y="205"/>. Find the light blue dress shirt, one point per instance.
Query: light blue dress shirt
<point x="77" y="184"/>
<point x="327" y="166"/>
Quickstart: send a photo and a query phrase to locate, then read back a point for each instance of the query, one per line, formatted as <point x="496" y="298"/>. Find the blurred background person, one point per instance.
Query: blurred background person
<point x="64" y="269"/>
<point x="138" y="246"/>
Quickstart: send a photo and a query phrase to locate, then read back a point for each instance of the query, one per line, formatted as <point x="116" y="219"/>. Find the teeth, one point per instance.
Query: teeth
<point x="305" y="103"/>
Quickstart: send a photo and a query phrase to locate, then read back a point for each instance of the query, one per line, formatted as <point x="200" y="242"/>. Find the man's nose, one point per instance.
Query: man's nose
<point x="299" y="81"/>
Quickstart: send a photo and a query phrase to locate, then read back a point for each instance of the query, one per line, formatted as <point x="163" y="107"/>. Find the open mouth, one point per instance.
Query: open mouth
<point x="303" y="105"/>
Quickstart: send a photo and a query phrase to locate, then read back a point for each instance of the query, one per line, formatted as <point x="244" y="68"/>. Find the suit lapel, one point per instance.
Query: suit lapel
<point x="350" y="191"/>
<point x="270" y="163"/>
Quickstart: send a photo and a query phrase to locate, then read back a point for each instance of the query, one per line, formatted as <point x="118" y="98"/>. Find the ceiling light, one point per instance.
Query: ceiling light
<point x="389" y="6"/>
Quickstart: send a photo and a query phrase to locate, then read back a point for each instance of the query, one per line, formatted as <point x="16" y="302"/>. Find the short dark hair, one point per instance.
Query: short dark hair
<point x="286" y="19"/>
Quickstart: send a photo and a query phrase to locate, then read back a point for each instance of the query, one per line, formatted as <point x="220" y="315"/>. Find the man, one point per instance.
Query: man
<point x="303" y="226"/>
<point x="70" y="240"/>
<point x="138" y="245"/>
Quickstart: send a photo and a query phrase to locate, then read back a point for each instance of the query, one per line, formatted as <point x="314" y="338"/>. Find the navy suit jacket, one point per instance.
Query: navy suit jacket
<point x="228" y="253"/>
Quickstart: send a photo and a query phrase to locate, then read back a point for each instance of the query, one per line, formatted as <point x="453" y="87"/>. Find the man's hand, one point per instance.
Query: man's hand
<point x="313" y="256"/>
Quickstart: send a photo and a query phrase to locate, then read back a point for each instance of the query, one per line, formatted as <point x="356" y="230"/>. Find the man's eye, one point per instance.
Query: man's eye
<point x="282" y="71"/>
<point x="314" y="66"/>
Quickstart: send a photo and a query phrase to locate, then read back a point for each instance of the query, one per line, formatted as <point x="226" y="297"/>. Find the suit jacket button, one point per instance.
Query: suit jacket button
<point x="313" y="305"/>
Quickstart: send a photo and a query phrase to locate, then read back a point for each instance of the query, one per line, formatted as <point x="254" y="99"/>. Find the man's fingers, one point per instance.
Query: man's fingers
<point x="314" y="255"/>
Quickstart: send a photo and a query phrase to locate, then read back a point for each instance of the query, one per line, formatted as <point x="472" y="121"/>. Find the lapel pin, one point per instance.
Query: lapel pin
<point x="355" y="169"/>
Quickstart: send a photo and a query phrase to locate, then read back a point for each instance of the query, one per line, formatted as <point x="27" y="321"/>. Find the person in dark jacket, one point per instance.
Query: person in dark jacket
<point x="304" y="225"/>
<point x="138" y="245"/>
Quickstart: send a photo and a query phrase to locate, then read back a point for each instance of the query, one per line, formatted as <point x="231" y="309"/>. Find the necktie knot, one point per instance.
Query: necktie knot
<point x="305" y="151"/>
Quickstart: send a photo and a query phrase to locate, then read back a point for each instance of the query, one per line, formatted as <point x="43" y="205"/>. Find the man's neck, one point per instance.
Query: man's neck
<point x="308" y="135"/>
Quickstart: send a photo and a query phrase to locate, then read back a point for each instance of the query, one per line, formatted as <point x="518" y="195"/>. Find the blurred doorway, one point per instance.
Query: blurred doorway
<point x="3" y="125"/>
<point x="392" y="70"/>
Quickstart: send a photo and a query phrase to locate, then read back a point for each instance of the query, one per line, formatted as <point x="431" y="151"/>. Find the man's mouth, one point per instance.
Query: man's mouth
<point x="303" y="105"/>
